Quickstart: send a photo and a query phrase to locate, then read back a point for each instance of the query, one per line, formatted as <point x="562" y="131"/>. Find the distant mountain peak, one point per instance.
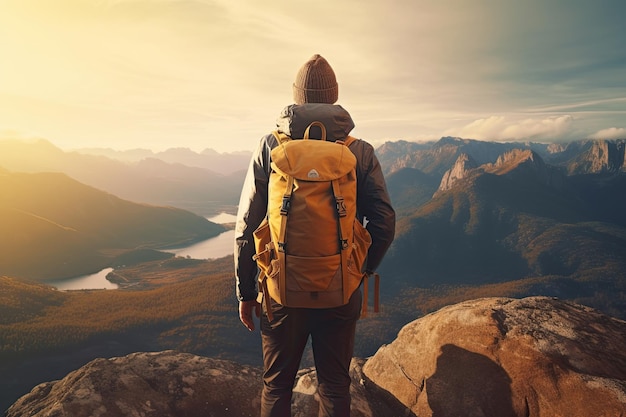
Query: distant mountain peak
<point x="517" y="163"/>
<point x="452" y="140"/>
<point x="602" y="156"/>
<point x="463" y="165"/>
<point x="511" y="160"/>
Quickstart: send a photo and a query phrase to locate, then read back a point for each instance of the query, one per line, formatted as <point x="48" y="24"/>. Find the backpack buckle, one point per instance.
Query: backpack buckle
<point x="284" y="208"/>
<point x="341" y="207"/>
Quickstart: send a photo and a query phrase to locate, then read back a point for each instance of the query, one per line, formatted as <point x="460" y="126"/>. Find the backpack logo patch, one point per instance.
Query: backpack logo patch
<point x="313" y="174"/>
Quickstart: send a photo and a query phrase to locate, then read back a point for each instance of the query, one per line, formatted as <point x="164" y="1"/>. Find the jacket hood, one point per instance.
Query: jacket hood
<point x="295" y="118"/>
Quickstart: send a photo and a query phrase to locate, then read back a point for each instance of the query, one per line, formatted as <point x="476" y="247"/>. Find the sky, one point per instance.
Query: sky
<point x="159" y="74"/>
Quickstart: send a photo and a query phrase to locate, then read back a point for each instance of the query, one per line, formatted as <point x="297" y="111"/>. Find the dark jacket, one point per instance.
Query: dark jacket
<point x="373" y="201"/>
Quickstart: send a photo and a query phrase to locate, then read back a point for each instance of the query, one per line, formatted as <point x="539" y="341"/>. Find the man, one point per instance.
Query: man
<point x="331" y="329"/>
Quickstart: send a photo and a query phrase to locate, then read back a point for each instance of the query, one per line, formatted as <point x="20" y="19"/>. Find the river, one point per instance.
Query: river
<point x="215" y="247"/>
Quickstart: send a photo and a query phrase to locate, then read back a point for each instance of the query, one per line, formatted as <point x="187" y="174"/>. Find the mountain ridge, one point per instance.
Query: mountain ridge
<point x="515" y="218"/>
<point x="56" y="227"/>
<point x="204" y="190"/>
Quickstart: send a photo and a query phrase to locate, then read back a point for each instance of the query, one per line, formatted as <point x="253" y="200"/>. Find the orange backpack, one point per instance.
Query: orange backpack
<point x="311" y="248"/>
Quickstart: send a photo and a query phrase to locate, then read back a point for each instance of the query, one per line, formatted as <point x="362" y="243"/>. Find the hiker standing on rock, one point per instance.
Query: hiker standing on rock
<point x="290" y="215"/>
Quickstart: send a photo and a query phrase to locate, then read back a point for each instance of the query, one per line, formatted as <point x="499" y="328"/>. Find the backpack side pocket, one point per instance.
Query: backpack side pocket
<point x="360" y="246"/>
<point x="264" y="248"/>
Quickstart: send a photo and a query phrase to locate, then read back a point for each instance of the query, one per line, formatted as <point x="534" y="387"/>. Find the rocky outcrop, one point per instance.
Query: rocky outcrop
<point x="526" y="165"/>
<point x="515" y="158"/>
<point x="520" y="164"/>
<point x="172" y="384"/>
<point x="497" y="357"/>
<point x="147" y="384"/>
<point x="505" y="357"/>
<point x="459" y="170"/>
<point x="594" y="156"/>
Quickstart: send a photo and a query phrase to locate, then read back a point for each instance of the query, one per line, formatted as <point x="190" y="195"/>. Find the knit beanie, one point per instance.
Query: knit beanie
<point x="315" y="82"/>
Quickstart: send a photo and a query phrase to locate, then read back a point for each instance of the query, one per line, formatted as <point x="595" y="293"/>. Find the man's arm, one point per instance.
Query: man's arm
<point x="373" y="203"/>
<point x="251" y="212"/>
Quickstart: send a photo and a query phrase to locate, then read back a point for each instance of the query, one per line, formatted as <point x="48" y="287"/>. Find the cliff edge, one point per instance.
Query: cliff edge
<point x="498" y="357"/>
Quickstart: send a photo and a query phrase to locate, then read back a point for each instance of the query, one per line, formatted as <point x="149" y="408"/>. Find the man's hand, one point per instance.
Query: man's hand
<point x="245" y="312"/>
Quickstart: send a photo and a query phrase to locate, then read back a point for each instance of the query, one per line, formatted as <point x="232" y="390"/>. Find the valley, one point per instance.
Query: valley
<point x="475" y="219"/>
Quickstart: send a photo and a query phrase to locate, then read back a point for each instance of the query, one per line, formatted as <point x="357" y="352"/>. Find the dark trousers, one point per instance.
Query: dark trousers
<point x="332" y="340"/>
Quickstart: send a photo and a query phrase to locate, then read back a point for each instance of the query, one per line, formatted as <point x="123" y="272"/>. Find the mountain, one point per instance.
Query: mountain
<point x="211" y="183"/>
<point x="461" y="168"/>
<point x="592" y="157"/>
<point x="409" y="188"/>
<point x="515" y="218"/>
<point x="55" y="227"/>
<point x="226" y="163"/>
<point x="493" y="356"/>
<point x="577" y="157"/>
<point x="437" y="157"/>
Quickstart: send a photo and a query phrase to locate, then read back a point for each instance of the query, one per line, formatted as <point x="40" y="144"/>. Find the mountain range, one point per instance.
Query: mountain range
<point x="469" y="212"/>
<point x="53" y="227"/>
<point x="476" y="213"/>
<point x="475" y="219"/>
<point x="203" y="183"/>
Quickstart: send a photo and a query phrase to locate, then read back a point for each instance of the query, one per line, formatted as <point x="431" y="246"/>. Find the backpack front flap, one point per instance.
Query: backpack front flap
<point x="312" y="228"/>
<point x="313" y="160"/>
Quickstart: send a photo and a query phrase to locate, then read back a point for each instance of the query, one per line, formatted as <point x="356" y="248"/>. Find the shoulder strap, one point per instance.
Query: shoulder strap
<point x="366" y="294"/>
<point x="280" y="137"/>
<point x="349" y="139"/>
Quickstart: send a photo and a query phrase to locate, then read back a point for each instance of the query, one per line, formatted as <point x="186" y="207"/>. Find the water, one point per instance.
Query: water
<point x="215" y="247"/>
<point x="95" y="281"/>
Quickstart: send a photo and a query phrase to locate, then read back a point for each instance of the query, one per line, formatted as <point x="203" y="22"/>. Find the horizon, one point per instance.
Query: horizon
<point x="128" y="74"/>
<point x="105" y="150"/>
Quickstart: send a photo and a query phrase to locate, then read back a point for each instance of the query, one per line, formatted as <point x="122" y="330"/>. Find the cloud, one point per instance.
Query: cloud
<point x="610" y="133"/>
<point x="499" y="128"/>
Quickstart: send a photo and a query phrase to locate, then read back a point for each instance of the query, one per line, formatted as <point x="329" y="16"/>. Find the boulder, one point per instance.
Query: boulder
<point x="504" y="357"/>
<point x="172" y="384"/>
<point x="148" y="384"/>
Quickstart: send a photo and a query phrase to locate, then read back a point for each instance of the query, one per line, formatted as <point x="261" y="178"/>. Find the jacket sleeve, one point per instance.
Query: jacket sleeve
<point x="373" y="203"/>
<point x="252" y="210"/>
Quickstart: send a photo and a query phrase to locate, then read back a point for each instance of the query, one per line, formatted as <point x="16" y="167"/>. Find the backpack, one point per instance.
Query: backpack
<point x="311" y="247"/>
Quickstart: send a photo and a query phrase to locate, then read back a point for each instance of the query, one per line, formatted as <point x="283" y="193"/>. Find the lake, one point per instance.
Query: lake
<point x="95" y="281"/>
<point x="215" y="247"/>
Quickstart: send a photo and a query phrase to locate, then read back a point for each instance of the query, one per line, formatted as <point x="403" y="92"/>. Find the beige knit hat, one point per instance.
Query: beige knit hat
<point x="315" y="82"/>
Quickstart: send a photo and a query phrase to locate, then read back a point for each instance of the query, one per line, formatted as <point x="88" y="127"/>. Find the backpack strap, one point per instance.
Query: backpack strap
<point x="366" y="293"/>
<point x="284" y="210"/>
<point x="348" y="141"/>
<point x="280" y="137"/>
<point x="266" y="299"/>
<point x="343" y="243"/>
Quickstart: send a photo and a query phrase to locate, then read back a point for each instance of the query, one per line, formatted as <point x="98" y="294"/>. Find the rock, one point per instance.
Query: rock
<point x="527" y="166"/>
<point x="595" y="156"/>
<point x="367" y="399"/>
<point x="504" y="357"/>
<point x="496" y="357"/>
<point x="148" y="384"/>
<point x="459" y="170"/>
<point x="171" y="384"/>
